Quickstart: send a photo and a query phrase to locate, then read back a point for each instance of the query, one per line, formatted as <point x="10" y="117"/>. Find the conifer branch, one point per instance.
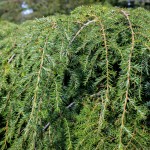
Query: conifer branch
<point x="34" y="103"/>
<point x="6" y="132"/>
<point x="107" y="62"/>
<point x="78" y="32"/>
<point x="69" y="145"/>
<point x="104" y="102"/>
<point x="128" y="78"/>
<point x="56" y="95"/>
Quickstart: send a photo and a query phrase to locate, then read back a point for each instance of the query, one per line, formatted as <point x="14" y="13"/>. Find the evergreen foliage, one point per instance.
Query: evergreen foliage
<point x="76" y="82"/>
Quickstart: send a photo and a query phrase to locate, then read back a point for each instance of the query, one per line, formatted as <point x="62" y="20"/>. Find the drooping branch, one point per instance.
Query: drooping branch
<point x="34" y="103"/>
<point x="105" y="101"/>
<point x="128" y="76"/>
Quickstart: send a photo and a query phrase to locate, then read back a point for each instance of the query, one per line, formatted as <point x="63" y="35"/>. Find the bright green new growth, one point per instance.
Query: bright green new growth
<point x="76" y="82"/>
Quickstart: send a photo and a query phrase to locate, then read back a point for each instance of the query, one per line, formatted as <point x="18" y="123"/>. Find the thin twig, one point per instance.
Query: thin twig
<point x="96" y="94"/>
<point x="11" y="58"/>
<point x="70" y="105"/>
<point x="84" y="25"/>
<point x="48" y="124"/>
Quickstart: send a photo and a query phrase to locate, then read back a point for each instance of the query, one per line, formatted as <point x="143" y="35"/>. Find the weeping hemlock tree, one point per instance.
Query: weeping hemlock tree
<point x="76" y="82"/>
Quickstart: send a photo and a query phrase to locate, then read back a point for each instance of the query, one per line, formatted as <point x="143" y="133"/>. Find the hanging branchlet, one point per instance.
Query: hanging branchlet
<point x="128" y="78"/>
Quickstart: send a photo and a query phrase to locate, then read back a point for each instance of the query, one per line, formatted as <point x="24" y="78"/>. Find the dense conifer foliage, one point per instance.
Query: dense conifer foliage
<point x="76" y="82"/>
